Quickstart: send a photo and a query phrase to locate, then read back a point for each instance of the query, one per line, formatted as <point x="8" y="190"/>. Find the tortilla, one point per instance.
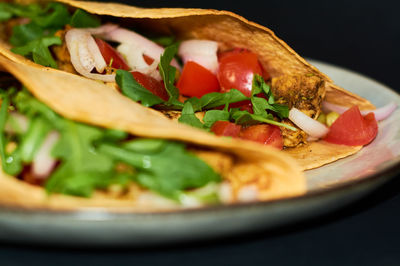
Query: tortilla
<point x="89" y="102"/>
<point x="230" y="31"/>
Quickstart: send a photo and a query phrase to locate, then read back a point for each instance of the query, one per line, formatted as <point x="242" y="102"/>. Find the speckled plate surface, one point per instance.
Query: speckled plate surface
<point x="329" y="188"/>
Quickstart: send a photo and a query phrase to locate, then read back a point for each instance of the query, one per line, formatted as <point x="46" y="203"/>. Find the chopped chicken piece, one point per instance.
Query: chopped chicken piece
<point x="174" y="115"/>
<point x="292" y="138"/>
<point x="303" y="92"/>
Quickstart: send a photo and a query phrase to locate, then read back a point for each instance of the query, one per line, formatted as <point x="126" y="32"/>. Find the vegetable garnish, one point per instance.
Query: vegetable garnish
<point x="84" y="158"/>
<point x="33" y="37"/>
<point x="351" y="128"/>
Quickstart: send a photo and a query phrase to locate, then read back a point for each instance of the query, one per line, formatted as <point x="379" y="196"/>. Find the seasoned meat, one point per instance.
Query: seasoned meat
<point x="292" y="138"/>
<point x="174" y="115"/>
<point x="61" y="54"/>
<point x="301" y="91"/>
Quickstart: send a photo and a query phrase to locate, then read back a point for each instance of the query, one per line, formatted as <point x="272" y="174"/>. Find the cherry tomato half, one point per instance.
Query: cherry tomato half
<point x="196" y="80"/>
<point x="154" y="86"/>
<point x="109" y="53"/>
<point x="237" y="69"/>
<point x="264" y="133"/>
<point x="352" y="129"/>
<point x="225" y="128"/>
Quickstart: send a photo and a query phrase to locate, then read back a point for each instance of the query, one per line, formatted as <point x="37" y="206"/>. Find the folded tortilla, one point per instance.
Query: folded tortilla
<point x="230" y="31"/>
<point x="89" y="102"/>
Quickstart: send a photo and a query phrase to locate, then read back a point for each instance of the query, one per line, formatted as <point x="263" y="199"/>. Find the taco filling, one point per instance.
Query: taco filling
<point x="62" y="156"/>
<point x="197" y="82"/>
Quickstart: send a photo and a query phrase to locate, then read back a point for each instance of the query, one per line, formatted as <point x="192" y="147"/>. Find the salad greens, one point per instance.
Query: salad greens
<point x="33" y="38"/>
<point x="261" y="98"/>
<point x="88" y="156"/>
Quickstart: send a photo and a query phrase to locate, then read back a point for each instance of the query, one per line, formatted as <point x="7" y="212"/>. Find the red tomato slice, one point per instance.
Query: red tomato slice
<point x="225" y="128"/>
<point x="154" y="86"/>
<point x="352" y="129"/>
<point x="237" y="69"/>
<point x="265" y="133"/>
<point x="196" y="80"/>
<point x="109" y="53"/>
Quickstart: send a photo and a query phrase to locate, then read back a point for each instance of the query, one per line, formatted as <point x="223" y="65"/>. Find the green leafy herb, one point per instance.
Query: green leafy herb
<point x="29" y="11"/>
<point x="189" y="117"/>
<point x="145" y="145"/>
<point x="54" y="15"/>
<point x="133" y="90"/>
<point x="246" y="118"/>
<point x="23" y="34"/>
<point x="38" y="50"/>
<point x="82" y="19"/>
<point x="164" y="40"/>
<point x="80" y="160"/>
<point x="168" y="74"/>
<point x="212" y="116"/>
<point x="30" y="106"/>
<point x="260" y="105"/>
<point x="215" y="99"/>
<point x="11" y="163"/>
<point x="160" y="171"/>
<point x="33" y="138"/>
<point x="4" y="13"/>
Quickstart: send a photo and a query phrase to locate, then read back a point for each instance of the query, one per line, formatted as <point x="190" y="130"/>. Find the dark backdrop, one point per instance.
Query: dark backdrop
<point x="360" y="35"/>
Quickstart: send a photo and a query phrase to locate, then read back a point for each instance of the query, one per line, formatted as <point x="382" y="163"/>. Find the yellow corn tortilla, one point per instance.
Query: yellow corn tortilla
<point x="83" y="100"/>
<point x="230" y="31"/>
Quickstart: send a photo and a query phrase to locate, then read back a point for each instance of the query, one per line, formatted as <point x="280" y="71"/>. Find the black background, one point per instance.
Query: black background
<point x="363" y="36"/>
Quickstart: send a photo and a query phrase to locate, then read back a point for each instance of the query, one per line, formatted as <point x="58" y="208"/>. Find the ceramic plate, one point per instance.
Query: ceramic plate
<point x="329" y="188"/>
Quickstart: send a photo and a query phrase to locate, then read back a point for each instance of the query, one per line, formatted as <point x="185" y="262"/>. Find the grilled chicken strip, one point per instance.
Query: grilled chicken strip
<point x="302" y="92"/>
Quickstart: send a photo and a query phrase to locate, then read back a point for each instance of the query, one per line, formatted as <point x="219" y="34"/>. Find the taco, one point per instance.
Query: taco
<point x="238" y="79"/>
<point x="80" y="138"/>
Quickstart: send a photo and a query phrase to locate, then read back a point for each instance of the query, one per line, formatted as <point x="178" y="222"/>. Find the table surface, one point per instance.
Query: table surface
<point x="360" y="35"/>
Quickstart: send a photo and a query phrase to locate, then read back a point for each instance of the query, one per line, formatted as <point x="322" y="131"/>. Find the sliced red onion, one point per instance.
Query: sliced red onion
<point x="380" y="113"/>
<point x="43" y="163"/>
<point x="136" y="41"/>
<point x="312" y="127"/>
<point x="85" y="55"/>
<point x="203" y="52"/>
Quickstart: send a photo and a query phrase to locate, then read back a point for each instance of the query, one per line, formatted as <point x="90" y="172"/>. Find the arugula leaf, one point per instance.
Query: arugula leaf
<point x="55" y="15"/>
<point x="22" y="34"/>
<point x="83" y="184"/>
<point x="81" y="162"/>
<point x="213" y="116"/>
<point x="145" y="145"/>
<point x="133" y="90"/>
<point x="160" y="172"/>
<point x="215" y="99"/>
<point x="29" y="11"/>
<point x="168" y="74"/>
<point x="30" y="106"/>
<point x="246" y="118"/>
<point x="164" y="40"/>
<point x="39" y="51"/>
<point x="33" y="138"/>
<point x="4" y="13"/>
<point x="261" y="104"/>
<point x="82" y="19"/>
<point x="11" y="163"/>
<point x="188" y="116"/>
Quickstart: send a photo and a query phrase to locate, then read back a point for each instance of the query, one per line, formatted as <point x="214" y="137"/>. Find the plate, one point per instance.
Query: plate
<point x="329" y="188"/>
